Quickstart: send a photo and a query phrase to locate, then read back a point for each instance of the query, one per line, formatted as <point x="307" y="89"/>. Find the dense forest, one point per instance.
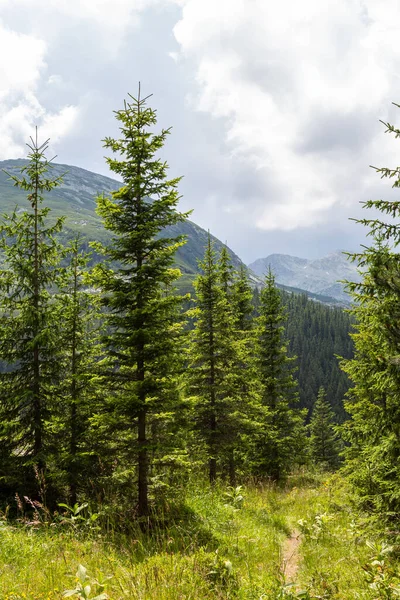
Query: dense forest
<point x="108" y="394"/>
<point x="318" y="335"/>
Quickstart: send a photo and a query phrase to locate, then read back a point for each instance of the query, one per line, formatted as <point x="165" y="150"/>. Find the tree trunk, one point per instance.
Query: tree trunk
<point x="213" y="470"/>
<point x="37" y="404"/>
<point x="232" y="470"/>
<point x="143" y="504"/>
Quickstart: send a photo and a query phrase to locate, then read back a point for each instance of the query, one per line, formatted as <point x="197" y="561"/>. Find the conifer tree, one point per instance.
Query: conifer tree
<point x="209" y="352"/>
<point x="256" y="302"/>
<point x="79" y="313"/>
<point x="225" y="272"/>
<point x="220" y="379"/>
<point x="143" y="333"/>
<point x="249" y="388"/>
<point x="283" y="436"/>
<point x="324" y="441"/>
<point x="373" y="432"/>
<point x="242" y="301"/>
<point x="316" y="334"/>
<point x="29" y="331"/>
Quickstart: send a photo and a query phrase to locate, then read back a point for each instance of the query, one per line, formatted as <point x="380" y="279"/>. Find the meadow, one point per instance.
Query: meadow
<point x="303" y="540"/>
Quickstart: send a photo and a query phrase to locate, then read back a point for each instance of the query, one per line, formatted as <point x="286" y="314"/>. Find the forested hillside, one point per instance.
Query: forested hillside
<point x="315" y="334"/>
<point x="184" y="447"/>
<point x="318" y="335"/>
<point x="75" y="199"/>
<point x="102" y="358"/>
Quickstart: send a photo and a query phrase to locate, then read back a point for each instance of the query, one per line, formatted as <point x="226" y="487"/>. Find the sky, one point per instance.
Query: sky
<point x="275" y="107"/>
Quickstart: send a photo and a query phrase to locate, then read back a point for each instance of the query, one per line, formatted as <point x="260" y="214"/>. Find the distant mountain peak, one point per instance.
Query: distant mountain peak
<point x="320" y="276"/>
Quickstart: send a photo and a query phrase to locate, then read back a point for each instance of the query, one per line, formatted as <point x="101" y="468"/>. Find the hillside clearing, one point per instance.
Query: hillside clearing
<point x="303" y="541"/>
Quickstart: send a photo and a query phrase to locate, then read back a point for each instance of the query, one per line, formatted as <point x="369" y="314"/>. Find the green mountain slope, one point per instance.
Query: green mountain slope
<point x="75" y="198"/>
<point x="315" y="332"/>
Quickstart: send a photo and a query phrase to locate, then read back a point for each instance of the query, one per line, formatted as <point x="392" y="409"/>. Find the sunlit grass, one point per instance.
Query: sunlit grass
<point x="206" y="549"/>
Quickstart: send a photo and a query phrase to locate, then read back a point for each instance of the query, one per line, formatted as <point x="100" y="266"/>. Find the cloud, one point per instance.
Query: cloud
<point x="299" y="88"/>
<point x="282" y="102"/>
<point x="104" y="24"/>
<point x="22" y="65"/>
<point x="22" y="59"/>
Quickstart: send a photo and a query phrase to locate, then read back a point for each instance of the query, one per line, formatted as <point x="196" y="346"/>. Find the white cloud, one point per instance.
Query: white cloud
<point x="111" y="20"/>
<point x="296" y="87"/>
<point x="21" y="60"/>
<point x="26" y="85"/>
<point x="22" y="65"/>
<point x="277" y="73"/>
<point x="55" y="80"/>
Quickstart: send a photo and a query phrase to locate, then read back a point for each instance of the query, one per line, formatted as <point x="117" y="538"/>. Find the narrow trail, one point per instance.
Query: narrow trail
<point x="291" y="556"/>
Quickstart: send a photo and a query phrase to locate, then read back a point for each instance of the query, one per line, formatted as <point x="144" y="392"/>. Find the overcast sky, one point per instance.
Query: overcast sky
<point x="275" y="105"/>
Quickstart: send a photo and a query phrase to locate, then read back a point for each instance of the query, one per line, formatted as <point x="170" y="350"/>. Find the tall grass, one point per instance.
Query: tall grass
<point x="210" y="546"/>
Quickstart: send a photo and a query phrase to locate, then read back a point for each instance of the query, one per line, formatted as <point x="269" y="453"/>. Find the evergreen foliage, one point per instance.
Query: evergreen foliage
<point x="282" y="440"/>
<point x="219" y="379"/>
<point x="245" y="385"/>
<point x="317" y="335"/>
<point x="324" y="441"/>
<point x="143" y="335"/>
<point x="79" y="312"/>
<point x="373" y="457"/>
<point x="107" y="389"/>
<point x="29" y="329"/>
<point x="210" y="354"/>
<point x="242" y="302"/>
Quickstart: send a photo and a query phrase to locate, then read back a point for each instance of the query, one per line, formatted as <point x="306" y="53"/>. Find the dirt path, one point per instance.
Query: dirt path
<point x="291" y="556"/>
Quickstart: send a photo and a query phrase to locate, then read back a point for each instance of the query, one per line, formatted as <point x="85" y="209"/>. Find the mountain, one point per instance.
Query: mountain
<point x="75" y="198"/>
<point x="321" y="276"/>
<point x="316" y="332"/>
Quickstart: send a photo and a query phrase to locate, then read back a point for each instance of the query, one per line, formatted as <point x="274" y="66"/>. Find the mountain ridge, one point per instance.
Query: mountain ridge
<point x="323" y="276"/>
<point x="75" y="198"/>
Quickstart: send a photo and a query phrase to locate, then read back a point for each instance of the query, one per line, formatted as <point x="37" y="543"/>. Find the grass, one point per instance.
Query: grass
<point x="210" y="547"/>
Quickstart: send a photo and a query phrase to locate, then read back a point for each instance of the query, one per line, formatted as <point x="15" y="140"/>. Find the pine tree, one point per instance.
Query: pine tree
<point x="29" y="330"/>
<point x="225" y="272"/>
<point x="217" y="366"/>
<point x="78" y="309"/>
<point x="242" y="301"/>
<point x="142" y="343"/>
<point x="209" y="353"/>
<point x="249" y="389"/>
<point x="324" y="441"/>
<point x="240" y="368"/>
<point x="283" y="436"/>
<point x="373" y="432"/>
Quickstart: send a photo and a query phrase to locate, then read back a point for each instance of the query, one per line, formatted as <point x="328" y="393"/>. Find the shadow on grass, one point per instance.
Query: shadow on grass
<point x="174" y="529"/>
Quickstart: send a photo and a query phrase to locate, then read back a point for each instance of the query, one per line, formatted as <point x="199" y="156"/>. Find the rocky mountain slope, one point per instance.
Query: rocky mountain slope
<point x="320" y="276"/>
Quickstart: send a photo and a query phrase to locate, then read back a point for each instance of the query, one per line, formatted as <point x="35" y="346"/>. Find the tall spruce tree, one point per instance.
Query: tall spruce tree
<point x="219" y="377"/>
<point x="143" y="334"/>
<point x="242" y="301"/>
<point x="249" y="388"/>
<point x="209" y="353"/>
<point x="79" y="312"/>
<point x="282" y="439"/>
<point x="373" y="432"/>
<point x="29" y="329"/>
<point x="324" y="441"/>
<point x="240" y="371"/>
